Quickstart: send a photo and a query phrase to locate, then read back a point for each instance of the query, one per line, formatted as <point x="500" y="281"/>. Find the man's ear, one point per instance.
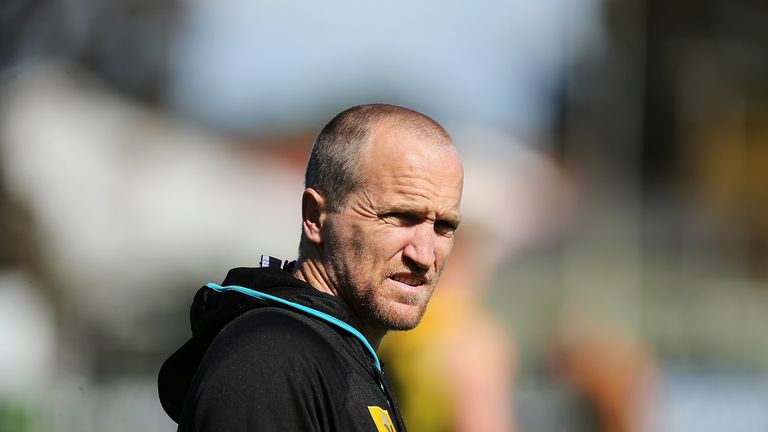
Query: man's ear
<point x="313" y="213"/>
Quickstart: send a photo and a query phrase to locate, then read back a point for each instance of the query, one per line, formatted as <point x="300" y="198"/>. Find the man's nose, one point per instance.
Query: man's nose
<point x="421" y="248"/>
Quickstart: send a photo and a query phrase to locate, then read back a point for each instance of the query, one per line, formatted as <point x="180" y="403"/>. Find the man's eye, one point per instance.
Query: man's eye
<point x="444" y="227"/>
<point x="401" y="219"/>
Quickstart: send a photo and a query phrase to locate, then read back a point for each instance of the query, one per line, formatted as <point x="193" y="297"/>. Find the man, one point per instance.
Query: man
<point x="294" y="348"/>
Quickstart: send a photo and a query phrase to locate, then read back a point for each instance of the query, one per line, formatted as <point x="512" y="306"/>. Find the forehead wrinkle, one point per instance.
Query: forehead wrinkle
<point x="414" y="186"/>
<point x="412" y="175"/>
<point x="419" y="194"/>
<point x="426" y="205"/>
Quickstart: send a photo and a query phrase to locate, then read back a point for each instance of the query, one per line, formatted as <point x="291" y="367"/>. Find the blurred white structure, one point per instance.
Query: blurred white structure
<point x="514" y="191"/>
<point x="27" y="339"/>
<point x="126" y="199"/>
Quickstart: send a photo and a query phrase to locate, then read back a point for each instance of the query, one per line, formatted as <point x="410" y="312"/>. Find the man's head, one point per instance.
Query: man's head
<point x="381" y="204"/>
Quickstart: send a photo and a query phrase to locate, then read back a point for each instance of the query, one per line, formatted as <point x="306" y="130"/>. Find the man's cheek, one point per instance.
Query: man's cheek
<point x="442" y="254"/>
<point x="358" y="247"/>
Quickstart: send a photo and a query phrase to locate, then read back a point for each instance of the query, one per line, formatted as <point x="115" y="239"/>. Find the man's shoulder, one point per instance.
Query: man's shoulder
<point x="267" y="333"/>
<point x="269" y="367"/>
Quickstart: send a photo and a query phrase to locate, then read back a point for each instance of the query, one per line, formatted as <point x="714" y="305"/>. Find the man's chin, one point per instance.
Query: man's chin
<point x="402" y="326"/>
<point x="401" y="316"/>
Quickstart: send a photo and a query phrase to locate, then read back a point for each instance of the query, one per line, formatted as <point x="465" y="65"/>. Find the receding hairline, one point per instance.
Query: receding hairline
<point x="376" y="115"/>
<point x="427" y="131"/>
<point x="336" y="161"/>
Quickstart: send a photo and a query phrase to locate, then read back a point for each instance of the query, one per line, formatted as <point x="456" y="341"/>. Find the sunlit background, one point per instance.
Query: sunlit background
<point x="616" y="155"/>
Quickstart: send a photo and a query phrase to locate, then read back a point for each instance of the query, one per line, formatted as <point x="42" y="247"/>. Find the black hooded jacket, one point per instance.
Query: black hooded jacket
<point x="271" y="353"/>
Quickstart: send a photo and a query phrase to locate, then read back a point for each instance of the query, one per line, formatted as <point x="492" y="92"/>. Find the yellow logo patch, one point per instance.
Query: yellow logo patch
<point x="382" y="419"/>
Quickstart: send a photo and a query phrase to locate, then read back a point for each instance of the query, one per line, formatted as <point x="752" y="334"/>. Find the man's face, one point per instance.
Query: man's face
<point x="387" y="247"/>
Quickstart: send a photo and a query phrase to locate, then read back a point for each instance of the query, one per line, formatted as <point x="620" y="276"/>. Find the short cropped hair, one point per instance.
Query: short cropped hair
<point x="334" y="168"/>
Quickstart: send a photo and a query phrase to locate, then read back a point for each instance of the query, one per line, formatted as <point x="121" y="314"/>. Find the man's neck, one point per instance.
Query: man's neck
<point x="308" y="271"/>
<point x="313" y="273"/>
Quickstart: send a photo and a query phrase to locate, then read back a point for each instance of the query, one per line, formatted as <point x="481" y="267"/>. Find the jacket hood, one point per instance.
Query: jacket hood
<point x="215" y="306"/>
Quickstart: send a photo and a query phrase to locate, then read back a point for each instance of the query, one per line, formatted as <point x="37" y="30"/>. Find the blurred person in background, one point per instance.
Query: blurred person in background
<point x="456" y="370"/>
<point x="615" y="374"/>
<point x="292" y="346"/>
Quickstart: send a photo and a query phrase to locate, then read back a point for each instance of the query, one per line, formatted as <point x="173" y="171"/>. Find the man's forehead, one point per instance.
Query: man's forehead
<point x="438" y="207"/>
<point x="405" y="203"/>
<point x="405" y="165"/>
<point x="405" y="154"/>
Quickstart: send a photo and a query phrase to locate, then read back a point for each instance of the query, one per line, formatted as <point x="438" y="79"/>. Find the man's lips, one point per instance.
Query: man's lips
<point x="409" y="279"/>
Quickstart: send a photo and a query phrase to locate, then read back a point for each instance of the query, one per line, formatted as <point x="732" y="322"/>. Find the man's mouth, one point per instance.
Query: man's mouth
<point x="409" y="279"/>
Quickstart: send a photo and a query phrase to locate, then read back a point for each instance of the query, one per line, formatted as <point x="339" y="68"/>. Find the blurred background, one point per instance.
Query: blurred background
<point x="615" y="256"/>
